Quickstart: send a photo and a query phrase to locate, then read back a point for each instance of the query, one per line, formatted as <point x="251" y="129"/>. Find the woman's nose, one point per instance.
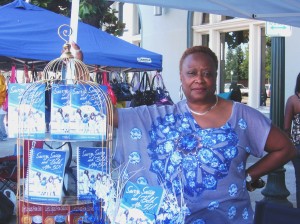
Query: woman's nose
<point x="199" y="77"/>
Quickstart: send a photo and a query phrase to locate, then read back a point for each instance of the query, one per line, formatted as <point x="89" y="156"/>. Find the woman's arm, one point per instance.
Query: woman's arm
<point x="280" y="150"/>
<point x="288" y="116"/>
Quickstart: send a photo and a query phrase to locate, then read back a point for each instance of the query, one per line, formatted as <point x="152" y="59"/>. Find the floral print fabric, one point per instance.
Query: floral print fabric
<point x="296" y="129"/>
<point x="168" y="148"/>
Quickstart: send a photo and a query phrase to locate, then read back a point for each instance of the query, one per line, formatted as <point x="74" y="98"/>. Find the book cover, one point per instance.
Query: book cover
<point x="61" y="112"/>
<point x="78" y="112"/>
<point x="44" y="182"/>
<point x="92" y="167"/>
<point x="26" y="106"/>
<point x="139" y="203"/>
<point x="90" y="112"/>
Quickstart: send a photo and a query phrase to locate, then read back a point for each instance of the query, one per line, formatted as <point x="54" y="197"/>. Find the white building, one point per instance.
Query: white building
<point x="170" y="31"/>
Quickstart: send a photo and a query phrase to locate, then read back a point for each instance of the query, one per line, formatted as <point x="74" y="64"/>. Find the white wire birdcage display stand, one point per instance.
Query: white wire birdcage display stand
<point x="72" y="74"/>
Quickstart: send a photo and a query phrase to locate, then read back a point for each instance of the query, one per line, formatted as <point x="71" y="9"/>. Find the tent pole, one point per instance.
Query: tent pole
<point x="189" y="29"/>
<point x="74" y="20"/>
<point x="275" y="189"/>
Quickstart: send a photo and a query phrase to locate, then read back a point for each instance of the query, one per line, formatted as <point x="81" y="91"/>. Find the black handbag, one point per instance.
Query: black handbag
<point x="145" y="94"/>
<point x="162" y="96"/>
<point x="121" y="87"/>
<point x="6" y="208"/>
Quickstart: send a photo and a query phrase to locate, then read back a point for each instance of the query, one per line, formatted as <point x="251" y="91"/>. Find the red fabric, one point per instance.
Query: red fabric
<point x="27" y="79"/>
<point x="109" y="89"/>
<point x="13" y="75"/>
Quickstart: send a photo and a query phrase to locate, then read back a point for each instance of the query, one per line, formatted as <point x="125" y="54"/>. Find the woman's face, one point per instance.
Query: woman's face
<point x="198" y="77"/>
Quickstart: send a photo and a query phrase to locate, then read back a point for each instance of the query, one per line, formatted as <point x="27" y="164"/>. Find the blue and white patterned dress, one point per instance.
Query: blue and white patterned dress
<point x="165" y="145"/>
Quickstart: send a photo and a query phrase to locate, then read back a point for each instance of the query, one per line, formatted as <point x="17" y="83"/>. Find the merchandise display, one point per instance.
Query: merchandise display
<point x="80" y="111"/>
<point x="84" y="188"/>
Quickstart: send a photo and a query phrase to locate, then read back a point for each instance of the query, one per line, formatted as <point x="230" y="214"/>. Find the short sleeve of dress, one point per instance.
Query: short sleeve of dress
<point x="130" y="134"/>
<point x="133" y="136"/>
<point x="252" y="127"/>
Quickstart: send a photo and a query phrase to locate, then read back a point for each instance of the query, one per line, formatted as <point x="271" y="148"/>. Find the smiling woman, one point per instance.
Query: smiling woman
<point x="197" y="148"/>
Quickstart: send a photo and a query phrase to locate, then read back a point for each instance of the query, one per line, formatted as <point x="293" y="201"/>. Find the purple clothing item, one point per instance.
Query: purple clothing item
<point x="165" y="146"/>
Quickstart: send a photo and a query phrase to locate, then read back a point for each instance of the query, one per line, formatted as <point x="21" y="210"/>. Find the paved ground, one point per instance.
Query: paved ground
<point x="7" y="148"/>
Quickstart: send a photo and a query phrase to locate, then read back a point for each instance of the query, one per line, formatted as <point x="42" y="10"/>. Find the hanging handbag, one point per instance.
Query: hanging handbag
<point x="162" y="96"/>
<point x="121" y="87"/>
<point x="135" y="81"/>
<point x="103" y="80"/>
<point x="145" y="94"/>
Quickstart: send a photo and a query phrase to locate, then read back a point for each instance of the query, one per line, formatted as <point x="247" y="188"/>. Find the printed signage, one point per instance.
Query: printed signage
<point x="278" y="30"/>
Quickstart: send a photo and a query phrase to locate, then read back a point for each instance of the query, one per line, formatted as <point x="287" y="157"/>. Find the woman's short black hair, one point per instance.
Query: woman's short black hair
<point x="198" y="49"/>
<point x="297" y="87"/>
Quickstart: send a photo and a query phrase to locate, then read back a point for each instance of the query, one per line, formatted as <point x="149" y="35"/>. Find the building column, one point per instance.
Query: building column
<point x="254" y="66"/>
<point x="215" y="46"/>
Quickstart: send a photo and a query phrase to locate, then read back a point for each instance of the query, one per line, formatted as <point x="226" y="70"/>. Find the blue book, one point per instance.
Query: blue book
<point x="92" y="169"/>
<point x="89" y="105"/>
<point x="78" y="112"/>
<point x="26" y="106"/>
<point x="44" y="182"/>
<point x="139" y="203"/>
<point x="61" y="112"/>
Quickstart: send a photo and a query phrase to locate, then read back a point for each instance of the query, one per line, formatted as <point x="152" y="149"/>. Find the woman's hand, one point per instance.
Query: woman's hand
<point x="259" y="183"/>
<point x="78" y="52"/>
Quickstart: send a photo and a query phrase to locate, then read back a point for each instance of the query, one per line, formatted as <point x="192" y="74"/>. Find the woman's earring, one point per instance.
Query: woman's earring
<point x="180" y="92"/>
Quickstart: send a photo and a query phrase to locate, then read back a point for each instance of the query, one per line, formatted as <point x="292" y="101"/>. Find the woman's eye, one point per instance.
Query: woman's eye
<point x="191" y="74"/>
<point x="206" y="74"/>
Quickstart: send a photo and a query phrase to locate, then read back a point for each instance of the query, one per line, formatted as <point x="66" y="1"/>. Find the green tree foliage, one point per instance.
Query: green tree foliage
<point x="240" y="57"/>
<point x="236" y="67"/>
<point x="236" y="38"/>
<point x="245" y="64"/>
<point x="237" y="57"/>
<point x="268" y="58"/>
<point x="230" y="65"/>
<point x="97" y="13"/>
<point x="4" y="2"/>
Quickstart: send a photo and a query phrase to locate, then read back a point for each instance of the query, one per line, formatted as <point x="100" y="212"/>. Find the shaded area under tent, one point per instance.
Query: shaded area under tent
<point x="29" y="34"/>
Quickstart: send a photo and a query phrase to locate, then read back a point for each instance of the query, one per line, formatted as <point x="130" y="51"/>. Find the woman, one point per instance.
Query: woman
<point x="197" y="149"/>
<point x="201" y="144"/>
<point x="292" y="128"/>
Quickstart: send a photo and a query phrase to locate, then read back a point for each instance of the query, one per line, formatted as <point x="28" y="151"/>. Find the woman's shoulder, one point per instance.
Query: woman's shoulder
<point x="292" y="100"/>
<point x="243" y="109"/>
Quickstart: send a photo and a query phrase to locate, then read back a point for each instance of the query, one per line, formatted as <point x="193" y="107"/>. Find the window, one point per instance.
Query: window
<point x="226" y="18"/>
<point x="205" y="18"/>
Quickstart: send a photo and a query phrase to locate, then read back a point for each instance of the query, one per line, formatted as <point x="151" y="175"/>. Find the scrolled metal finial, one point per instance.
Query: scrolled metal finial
<point x="64" y="31"/>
